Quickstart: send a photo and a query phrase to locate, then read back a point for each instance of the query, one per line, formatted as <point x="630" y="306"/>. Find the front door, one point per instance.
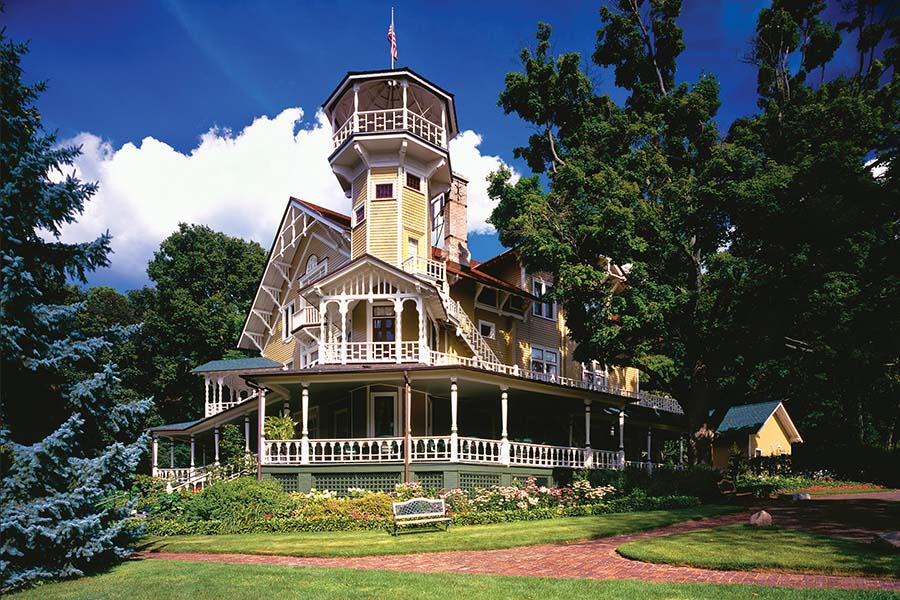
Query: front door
<point x="383" y="415"/>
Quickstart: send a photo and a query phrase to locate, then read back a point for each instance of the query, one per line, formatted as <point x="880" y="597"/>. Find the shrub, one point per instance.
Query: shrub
<point x="699" y="481"/>
<point x="239" y="500"/>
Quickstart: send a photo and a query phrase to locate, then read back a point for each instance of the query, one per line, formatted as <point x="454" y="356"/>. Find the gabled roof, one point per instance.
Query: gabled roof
<point x="751" y="417"/>
<point x="281" y="256"/>
<point x="237" y="364"/>
<point x="335" y="217"/>
<point x="481" y="277"/>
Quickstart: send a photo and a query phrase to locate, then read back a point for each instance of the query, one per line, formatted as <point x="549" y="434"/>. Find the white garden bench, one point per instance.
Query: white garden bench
<point x="420" y="511"/>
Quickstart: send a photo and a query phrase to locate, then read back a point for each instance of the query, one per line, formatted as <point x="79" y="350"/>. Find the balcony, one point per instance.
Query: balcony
<point x="389" y="121"/>
<point x="426" y="268"/>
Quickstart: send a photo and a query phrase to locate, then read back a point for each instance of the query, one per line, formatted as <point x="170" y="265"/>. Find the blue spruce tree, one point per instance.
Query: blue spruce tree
<point x="66" y="441"/>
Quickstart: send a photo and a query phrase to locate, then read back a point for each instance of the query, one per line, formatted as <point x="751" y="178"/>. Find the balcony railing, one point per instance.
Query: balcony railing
<point x="370" y="352"/>
<point x="434" y="270"/>
<point x="393" y="119"/>
<point x="431" y="449"/>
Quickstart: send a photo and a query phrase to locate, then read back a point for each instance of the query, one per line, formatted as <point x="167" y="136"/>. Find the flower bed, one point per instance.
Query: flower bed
<point x="245" y="506"/>
<point x="836" y="489"/>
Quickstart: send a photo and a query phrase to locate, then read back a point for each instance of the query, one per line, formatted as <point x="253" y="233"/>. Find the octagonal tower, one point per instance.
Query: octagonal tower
<point x="391" y="131"/>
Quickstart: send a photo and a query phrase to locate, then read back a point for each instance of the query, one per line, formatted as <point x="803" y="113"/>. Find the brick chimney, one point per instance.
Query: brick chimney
<point x="456" y="223"/>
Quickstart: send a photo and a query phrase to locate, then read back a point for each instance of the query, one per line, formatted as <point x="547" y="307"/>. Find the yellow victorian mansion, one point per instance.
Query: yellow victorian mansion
<point x="397" y="355"/>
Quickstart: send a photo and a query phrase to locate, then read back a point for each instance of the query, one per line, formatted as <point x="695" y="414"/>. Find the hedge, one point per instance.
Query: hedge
<point x="274" y="524"/>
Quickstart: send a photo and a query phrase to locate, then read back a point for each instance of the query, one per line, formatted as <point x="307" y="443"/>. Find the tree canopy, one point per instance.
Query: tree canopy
<point x="719" y="271"/>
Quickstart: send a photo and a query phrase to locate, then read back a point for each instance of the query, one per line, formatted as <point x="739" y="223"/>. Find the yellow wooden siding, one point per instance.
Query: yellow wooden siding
<point x="307" y="248"/>
<point x="358" y="322"/>
<point x="383" y="174"/>
<point x="409" y="322"/>
<point x="276" y="349"/>
<point x="772" y="439"/>
<point x="415" y="220"/>
<point x="358" y="237"/>
<point x="500" y="343"/>
<point x="383" y="223"/>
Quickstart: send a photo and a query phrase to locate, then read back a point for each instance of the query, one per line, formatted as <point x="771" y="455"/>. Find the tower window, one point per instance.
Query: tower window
<point x="384" y="191"/>
<point x="360" y="214"/>
<point x="413" y="181"/>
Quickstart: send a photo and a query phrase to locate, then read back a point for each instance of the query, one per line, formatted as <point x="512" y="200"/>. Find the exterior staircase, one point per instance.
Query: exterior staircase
<point x="468" y="331"/>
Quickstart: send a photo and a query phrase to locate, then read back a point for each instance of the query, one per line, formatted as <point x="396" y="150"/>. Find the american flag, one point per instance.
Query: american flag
<point x="392" y="38"/>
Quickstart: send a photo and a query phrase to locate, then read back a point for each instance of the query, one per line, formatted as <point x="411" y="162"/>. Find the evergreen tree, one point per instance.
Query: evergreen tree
<point x="65" y="444"/>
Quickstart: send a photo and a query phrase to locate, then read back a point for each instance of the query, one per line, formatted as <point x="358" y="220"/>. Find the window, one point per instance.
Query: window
<point x="287" y="318"/>
<point x="487" y="330"/>
<point x="594" y="373"/>
<point x="546" y="310"/>
<point x="384" y="190"/>
<point x="437" y="221"/>
<point x="360" y="214"/>
<point x="383" y="323"/>
<point x="412" y="247"/>
<point x="544" y="360"/>
<point x="413" y="181"/>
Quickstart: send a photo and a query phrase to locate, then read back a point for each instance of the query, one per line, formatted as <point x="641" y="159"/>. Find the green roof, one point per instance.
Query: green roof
<point x="747" y="416"/>
<point x="237" y="364"/>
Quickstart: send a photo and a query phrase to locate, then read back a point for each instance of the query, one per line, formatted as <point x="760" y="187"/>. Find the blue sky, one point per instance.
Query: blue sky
<point x="202" y="89"/>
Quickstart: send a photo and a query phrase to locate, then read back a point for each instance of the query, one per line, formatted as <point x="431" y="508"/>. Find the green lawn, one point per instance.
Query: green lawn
<point x="477" y="537"/>
<point x="156" y="579"/>
<point x="764" y="549"/>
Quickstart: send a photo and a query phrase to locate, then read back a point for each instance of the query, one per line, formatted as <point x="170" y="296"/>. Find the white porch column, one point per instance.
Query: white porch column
<point x="398" y="328"/>
<point x="193" y="452"/>
<point x="356" y="107"/>
<point x="588" y="454"/>
<point x="622" y="438"/>
<point x="504" y="434"/>
<point x="219" y="397"/>
<point x="246" y="434"/>
<point x="649" y="452"/>
<point x="206" y="410"/>
<point x="404" y="84"/>
<point x="216" y="443"/>
<point x="322" y="357"/>
<point x="261" y="432"/>
<point x="454" y="439"/>
<point x="171" y="454"/>
<point x="155" y="455"/>
<point x="304" y="432"/>
<point x="424" y="356"/>
<point x="343" y="310"/>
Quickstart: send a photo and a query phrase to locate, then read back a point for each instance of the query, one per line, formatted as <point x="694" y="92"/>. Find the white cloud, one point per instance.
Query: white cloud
<point x="469" y="162"/>
<point x="236" y="183"/>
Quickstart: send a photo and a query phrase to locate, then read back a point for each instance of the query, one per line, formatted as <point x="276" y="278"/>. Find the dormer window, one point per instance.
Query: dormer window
<point x="413" y="182"/>
<point x="384" y="191"/>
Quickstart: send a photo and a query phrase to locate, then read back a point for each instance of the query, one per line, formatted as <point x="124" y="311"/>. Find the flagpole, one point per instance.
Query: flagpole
<point x="392" y="29"/>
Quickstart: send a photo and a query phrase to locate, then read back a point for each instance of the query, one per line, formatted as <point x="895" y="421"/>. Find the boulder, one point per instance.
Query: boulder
<point x="761" y="519"/>
<point x="796" y="497"/>
<point x="889" y="540"/>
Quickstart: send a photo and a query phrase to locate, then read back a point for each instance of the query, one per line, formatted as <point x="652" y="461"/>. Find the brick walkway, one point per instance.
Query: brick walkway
<point x="593" y="559"/>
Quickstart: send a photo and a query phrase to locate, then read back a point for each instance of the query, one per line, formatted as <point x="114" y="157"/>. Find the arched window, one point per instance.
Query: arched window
<point x="311" y="264"/>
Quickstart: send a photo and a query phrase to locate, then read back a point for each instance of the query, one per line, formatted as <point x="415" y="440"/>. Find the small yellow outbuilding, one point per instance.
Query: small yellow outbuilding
<point x="762" y="429"/>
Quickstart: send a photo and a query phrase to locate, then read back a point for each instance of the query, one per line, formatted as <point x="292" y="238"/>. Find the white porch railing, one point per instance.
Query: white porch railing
<point x="428" y="449"/>
<point x="539" y="455"/>
<point x="426" y="267"/>
<point x="305" y="317"/>
<point x="392" y="119"/>
<point x="179" y="474"/>
<point x="213" y="408"/>
<point x="477" y="450"/>
<point x="370" y="352"/>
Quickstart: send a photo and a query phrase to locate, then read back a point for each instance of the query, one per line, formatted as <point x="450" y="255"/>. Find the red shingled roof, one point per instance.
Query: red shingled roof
<point x="337" y="218"/>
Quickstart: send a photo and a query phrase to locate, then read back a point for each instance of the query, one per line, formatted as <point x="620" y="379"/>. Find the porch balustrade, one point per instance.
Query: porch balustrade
<point x="393" y="119"/>
<point x="428" y="449"/>
<point x="179" y="474"/>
